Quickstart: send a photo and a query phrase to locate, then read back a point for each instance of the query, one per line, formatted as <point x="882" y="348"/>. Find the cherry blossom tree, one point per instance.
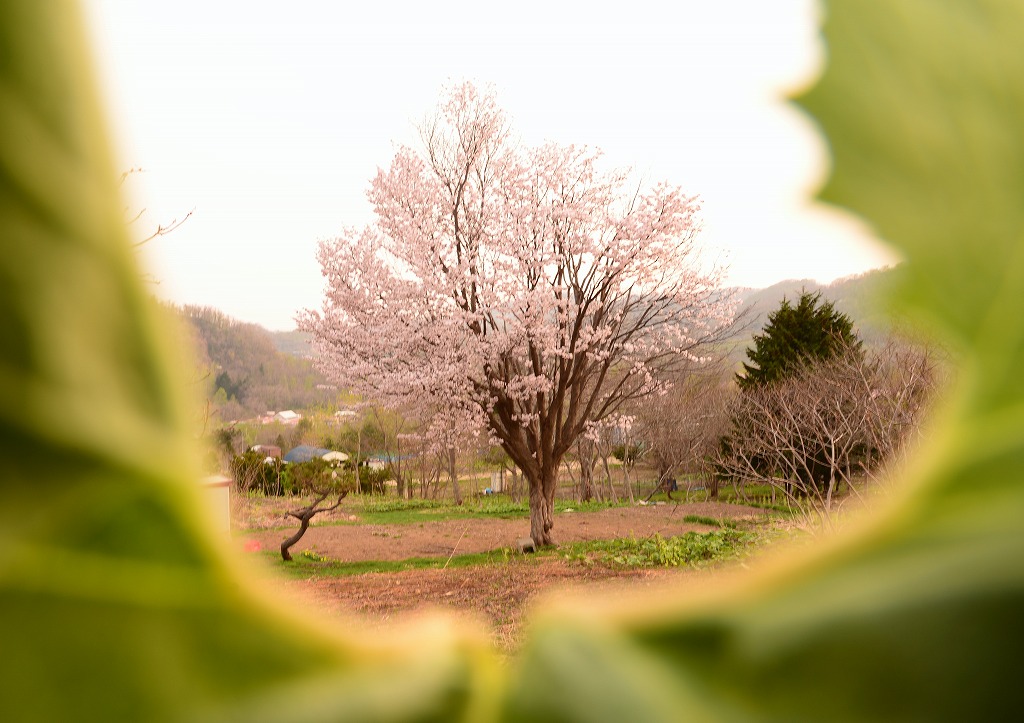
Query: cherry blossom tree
<point x="530" y="292"/>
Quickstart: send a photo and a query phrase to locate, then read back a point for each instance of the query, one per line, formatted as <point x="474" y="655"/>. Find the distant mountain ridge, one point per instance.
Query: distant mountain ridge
<point x="856" y="296"/>
<point x="852" y="295"/>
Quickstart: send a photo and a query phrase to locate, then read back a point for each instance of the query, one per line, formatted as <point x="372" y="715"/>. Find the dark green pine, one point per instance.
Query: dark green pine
<point x="810" y="330"/>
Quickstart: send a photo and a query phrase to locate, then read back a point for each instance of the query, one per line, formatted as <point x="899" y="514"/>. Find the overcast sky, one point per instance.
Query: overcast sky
<point x="270" y="118"/>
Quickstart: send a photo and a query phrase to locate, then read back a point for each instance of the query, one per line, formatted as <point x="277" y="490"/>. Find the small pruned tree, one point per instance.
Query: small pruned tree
<point x="524" y="288"/>
<point x="795" y="335"/>
<point x="321" y="480"/>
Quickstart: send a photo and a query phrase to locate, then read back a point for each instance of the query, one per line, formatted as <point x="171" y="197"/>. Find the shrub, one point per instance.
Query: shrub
<point x="252" y="473"/>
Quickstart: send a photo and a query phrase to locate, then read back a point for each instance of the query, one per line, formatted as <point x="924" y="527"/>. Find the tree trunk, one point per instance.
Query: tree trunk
<point x="303" y="526"/>
<point x="304" y="515"/>
<point x="454" y="476"/>
<point x="608" y="478"/>
<point x="359" y="452"/>
<point x="542" y="509"/>
<point x="585" y="454"/>
<point x="586" y="485"/>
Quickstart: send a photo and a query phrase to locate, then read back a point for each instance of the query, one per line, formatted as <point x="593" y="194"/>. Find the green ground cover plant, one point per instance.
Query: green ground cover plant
<point x="307" y="565"/>
<point x="693" y="548"/>
<point x="392" y="511"/>
<point x="710" y="521"/>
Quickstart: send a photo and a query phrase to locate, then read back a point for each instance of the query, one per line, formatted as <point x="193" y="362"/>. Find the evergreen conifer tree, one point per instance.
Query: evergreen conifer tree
<point x="810" y="330"/>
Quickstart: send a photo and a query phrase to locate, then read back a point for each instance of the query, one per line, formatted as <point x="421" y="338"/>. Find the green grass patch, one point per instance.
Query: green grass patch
<point x="406" y="517"/>
<point x="496" y="506"/>
<point x="376" y="505"/>
<point x="309" y="564"/>
<point x="593" y="506"/>
<point x="710" y="521"/>
<point x="404" y="512"/>
<point x="759" y="496"/>
<point x="693" y="548"/>
<point x="392" y="511"/>
<point x="398" y="511"/>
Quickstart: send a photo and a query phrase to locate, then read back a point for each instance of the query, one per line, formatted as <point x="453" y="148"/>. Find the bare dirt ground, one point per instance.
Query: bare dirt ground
<point x="433" y="538"/>
<point x="502" y="592"/>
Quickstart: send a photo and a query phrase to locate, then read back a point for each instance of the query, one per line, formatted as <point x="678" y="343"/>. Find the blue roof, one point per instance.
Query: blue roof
<point x="304" y="453"/>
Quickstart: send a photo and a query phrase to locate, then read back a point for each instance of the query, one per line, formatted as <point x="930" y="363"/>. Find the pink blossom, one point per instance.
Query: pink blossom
<point x="521" y="290"/>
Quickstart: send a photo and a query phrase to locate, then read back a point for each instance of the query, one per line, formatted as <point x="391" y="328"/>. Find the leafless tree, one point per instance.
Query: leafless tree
<point x="831" y="424"/>
<point x="131" y="219"/>
<point x="681" y="429"/>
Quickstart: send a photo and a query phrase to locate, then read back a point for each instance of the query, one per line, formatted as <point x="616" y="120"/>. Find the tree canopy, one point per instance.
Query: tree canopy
<point x="797" y="334"/>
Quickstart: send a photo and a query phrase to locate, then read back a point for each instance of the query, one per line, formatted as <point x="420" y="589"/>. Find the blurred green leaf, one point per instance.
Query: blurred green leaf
<point x="923" y="106"/>
<point x="116" y="602"/>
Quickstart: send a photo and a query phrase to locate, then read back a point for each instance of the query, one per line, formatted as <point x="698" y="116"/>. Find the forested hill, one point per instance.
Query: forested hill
<point x="244" y="372"/>
<point x="854" y="296"/>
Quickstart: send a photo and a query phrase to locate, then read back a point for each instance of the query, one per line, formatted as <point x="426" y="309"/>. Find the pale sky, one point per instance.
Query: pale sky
<point x="270" y="118"/>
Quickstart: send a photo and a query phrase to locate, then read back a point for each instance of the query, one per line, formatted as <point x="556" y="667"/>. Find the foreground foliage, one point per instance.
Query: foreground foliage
<point x="110" y="574"/>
